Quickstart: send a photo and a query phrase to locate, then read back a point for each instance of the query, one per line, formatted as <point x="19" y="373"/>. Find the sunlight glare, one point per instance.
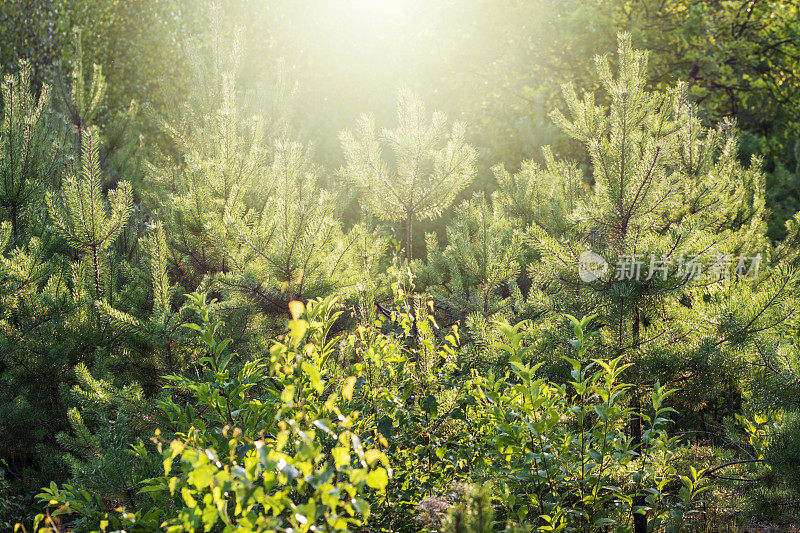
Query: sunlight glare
<point x="373" y="19"/>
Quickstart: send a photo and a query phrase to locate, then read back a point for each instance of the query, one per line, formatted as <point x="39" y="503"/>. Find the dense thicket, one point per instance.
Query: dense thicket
<point x="231" y="301"/>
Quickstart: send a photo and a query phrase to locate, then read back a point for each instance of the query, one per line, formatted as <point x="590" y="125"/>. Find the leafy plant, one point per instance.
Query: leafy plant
<point x="261" y="448"/>
<point x="408" y="386"/>
<point x="559" y="453"/>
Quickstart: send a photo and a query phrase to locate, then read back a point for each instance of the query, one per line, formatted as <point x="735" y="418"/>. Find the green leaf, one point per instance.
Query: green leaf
<point x="378" y="478"/>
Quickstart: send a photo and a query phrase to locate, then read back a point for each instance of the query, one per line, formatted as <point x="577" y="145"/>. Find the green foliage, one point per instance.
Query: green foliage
<point x="82" y="103"/>
<point x="35" y="340"/>
<point x="426" y="177"/>
<point x="10" y="505"/>
<point x="479" y="264"/>
<point x="246" y="215"/>
<point x="33" y="30"/>
<point x="363" y="413"/>
<point x="256" y="449"/>
<point x="559" y="187"/>
<point x="499" y="70"/>
<point x="29" y="151"/>
<point x="408" y="389"/>
<point x="83" y="218"/>
<point x="263" y="444"/>
<point x="562" y="455"/>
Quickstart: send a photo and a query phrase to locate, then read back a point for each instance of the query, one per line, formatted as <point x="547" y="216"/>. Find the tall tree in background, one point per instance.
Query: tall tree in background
<point x="426" y="176"/>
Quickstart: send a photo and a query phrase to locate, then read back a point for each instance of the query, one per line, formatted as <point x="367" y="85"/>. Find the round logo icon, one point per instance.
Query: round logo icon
<point x="591" y="266"/>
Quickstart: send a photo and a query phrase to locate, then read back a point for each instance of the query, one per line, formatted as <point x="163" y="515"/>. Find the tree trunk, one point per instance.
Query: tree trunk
<point x="636" y="420"/>
<point x="409" y="233"/>
<point x="14" y="224"/>
<point x="639" y="520"/>
<point x="97" y="273"/>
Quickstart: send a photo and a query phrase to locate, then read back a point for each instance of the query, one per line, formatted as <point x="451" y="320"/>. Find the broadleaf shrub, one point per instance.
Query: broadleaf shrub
<point x="261" y="447"/>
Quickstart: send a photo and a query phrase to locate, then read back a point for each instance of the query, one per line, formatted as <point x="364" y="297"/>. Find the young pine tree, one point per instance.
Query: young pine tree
<point x="246" y="214"/>
<point x="291" y="246"/>
<point x="30" y="151"/>
<point x="84" y="100"/>
<point x="666" y="195"/>
<point x="105" y="421"/>
<point x="87" y="220"/>
<point x="52" y="274"/>
<point x="80" y="101"/>
<point x="431" y="166"/>
<point x="476" y="273"/>
<point x="215" y="162"/>
<point x="219" y="159"/>
<point x="34" y="293"/>
<point x="153" y="327"/>
<point x="474" y="515"/>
